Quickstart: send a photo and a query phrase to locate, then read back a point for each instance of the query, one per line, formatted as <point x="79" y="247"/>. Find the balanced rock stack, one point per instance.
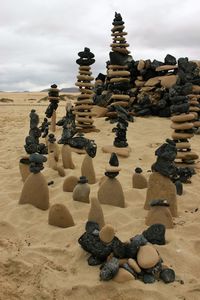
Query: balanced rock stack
<point x="84" y="103"/>
<point x="118" y="73"/>
<point x="182" y="123"/>
<point x="110" y="191"/>
<point x="53" y="96"/>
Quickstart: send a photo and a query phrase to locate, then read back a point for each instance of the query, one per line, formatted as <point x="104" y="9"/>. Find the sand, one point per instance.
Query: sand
<point x="40" y="261"/>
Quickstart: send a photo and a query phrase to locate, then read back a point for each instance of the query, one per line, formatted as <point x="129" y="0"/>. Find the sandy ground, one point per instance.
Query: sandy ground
<point x="39" y="261"/>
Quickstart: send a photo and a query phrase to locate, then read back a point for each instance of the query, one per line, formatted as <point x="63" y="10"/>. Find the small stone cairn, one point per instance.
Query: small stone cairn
<point x="84" y="103"/>
<point x="53" y="97"/>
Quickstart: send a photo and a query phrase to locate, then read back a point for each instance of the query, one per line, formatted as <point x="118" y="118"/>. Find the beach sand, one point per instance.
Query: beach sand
<point x="40" y="261"/>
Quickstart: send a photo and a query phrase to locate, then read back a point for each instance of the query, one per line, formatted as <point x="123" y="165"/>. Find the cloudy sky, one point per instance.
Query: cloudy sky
<point x="40" y="39"/>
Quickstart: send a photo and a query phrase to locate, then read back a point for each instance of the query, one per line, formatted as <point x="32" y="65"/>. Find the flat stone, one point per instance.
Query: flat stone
<point x="139" y="83"/>
<point x="124" y="152"/>
<point x="182" y="126"/>
<point x="84" y="84"/>
<point x="121" y="103"/>
<point x="120" y="97"/>
<point x="85" y="77"/>
<point x="147" y="257"/>
<point x="168" y="81"/>
<point x="99" y="111"/>
<point x="119" y="79"/>
<point x="107" y="234"/>
<point x="112" y="169"/>
<point x="117" y="67"/>
<point x="196" y="89"/>
<point x="134" y="265"/>
<point x="153" y="81"/>
<point x="123" y="276"/>
<point x="96" y="212"/>
<point x="183" y="118"/>
<point x="118" y="73"/>
<point x="183" y="145"/>
<point x="179" y="135"/>
<point x="185" y="155"/>
<point x="166" y="68"/>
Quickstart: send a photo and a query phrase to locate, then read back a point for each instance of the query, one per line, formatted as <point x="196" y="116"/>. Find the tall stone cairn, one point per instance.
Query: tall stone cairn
<point x="118" y="73"/>
<point x="84" y="103"/>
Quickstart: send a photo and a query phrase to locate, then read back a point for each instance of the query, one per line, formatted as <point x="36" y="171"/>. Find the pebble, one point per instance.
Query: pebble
<point x="133" y="264"/>
<point x="147" y="257"/>
<point x="107" y="233"/>
<point x="167" y="275"/>
<point x="123" y="276"/>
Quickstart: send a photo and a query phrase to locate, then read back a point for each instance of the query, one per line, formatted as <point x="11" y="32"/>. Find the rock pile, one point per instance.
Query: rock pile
<point x="123" y="261"/>
<point x="84" y="104"/>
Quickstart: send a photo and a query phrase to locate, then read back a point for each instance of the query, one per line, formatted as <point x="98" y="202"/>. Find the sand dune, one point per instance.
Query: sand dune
<point x="39" y="261"/>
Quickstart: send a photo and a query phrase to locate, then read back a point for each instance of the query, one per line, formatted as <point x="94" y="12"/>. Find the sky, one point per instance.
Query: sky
<point x="40" y="39"/>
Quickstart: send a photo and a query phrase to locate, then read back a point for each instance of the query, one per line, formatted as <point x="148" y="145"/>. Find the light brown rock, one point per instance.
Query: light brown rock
<point x="182" y="118"/>
<point x="107" y="233"/>
<point x="67" y="157"/>
<point x="87" y="169"/>
<point x="139" y="83"/>
<point x="134" y="265"/>
<point x="61" y="171"/>
<point x="183" y="145"/>
<point x="187" y="155"/>
<point x="182" y="126"/>
<point x="159" y="215"/>
<point x="110" y="192"/>
<point x="161" y="187"/>
<point x="70" y="183"/>
<point x="141" y="65"/>
<point x="166" y="68"/>
<point x="152" y="81"/>
<point x="123" y="276"/>
<point x="181" y="135"/>
<point x="35" y="191"/>
<point x="139" y="181"/>
<point x="147" y="256"/>
<point x="53" y="147"/>
<point x="168" y="81"/>
<point x="53" y="122"/>
<point x="196" y="89"/>
<point x="96" y="212"/>
<point x="60" y="216"/>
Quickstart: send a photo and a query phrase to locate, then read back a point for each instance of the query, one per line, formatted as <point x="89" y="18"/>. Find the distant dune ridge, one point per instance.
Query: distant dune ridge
<point x="41" y="261"/>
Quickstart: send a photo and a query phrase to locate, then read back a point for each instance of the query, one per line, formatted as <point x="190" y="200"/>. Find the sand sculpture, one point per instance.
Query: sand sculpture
<point x="81" y="191"/>
<point x="83" y="105"/>
<point x="124" y="261"/>
<point x="159" y="213"/>
<point x="110" y="191"/>
<point x="139" y="181"/>
<point x="96" y="212"/>
<point x="60" y="216"/>
<point x="53" y="96"/>
<point x="35" y="190"/>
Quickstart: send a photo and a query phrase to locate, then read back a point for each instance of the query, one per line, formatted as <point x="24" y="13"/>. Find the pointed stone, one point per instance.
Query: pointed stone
<point x="96" y="212"/>
<point x="107" y="234"/>
<point x="67" y="157"/>
<point x="87" y="169"/>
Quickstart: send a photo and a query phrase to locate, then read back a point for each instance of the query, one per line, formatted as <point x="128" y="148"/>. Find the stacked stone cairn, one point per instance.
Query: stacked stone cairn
<point x="124" y="261"/>
<point x="118" y="75"/>
<point x="53" y="97"/>
<point x="84" y="104"/>
<point x="182" y="123"/>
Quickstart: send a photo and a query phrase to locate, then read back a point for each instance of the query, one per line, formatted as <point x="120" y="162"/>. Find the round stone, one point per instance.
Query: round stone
<point x="167" y="275"/>
<point x="107" y="234"/>
<point x="147" y="257"/>
<point x="133" y="264"/>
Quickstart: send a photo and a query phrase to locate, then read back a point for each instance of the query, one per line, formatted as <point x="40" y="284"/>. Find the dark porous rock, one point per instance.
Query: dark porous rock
<point x="36" y="162"/>
<point x="114" y="160"/>
<point x="120" y="131"/>
<point x="109" y="269"/>
<point x="91" y="243"/>
<point x="185" y="173"/>
<point x="34" y="119"/>
<point x="155" y="234"/>
<point x="117" y="58"/>
<point x="51" y="138"/>
<point x="25" y="161"/>
<point x="167" y="275"/>
<point x="134" y="245"/>
<point x="149" y="278"/>
<point x="179" y="187"/>
<point x="91" y="148"/>
<point x="159" y="202"/>
<point x="170" y="60"/>
<point x="82" y="180"/>
<point x="128" y="268"/>
<point x="119" y="248"/>
<point x="94" y="261"/>
<point x="91" y="226"/>
<point x="117" y="19"/>
<point x="138" y="170"/>
<point x="86" y="57"/>
<point x="156" y="63"/>
<point x="111" y="174"/>
<point x="156" y="269"/>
